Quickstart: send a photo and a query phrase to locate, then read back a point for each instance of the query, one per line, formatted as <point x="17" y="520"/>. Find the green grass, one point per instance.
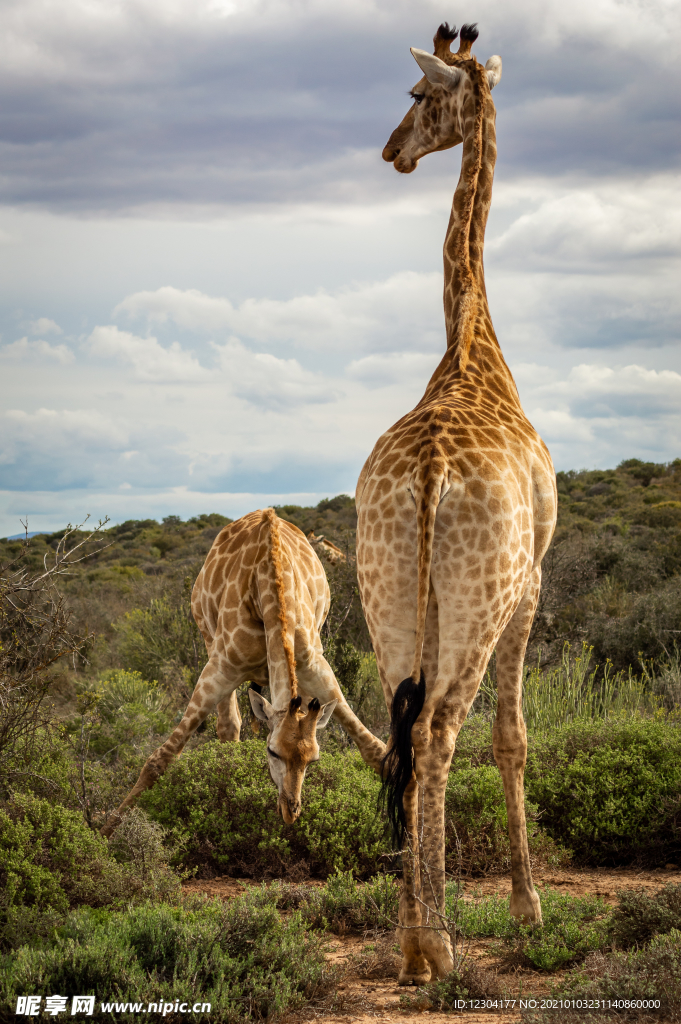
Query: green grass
<point x="577" y="689"/>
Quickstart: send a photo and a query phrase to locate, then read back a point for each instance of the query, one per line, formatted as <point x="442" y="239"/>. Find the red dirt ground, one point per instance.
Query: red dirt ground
<point x="376" y="999"/>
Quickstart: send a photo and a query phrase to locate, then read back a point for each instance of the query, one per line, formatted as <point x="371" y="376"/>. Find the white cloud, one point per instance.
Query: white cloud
<point x="599" y="224"/>
<point x="25" y="349"/>
<point x="267" y="382"/>
<point x="150" y="360"/>
<point x="393" y="368"/>
<point x="375" y="315"/>
<point x="598" y="413"/>
<point x="43" y="325"/>
<point x="62" y="432"/>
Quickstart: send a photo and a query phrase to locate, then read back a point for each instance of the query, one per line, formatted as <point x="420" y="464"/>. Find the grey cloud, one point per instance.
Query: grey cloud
<point x="220" y="110"/>
<point x="62" y="449"/>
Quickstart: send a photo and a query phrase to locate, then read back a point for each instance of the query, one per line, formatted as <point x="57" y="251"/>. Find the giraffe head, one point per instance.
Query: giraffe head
<point x="291" y="746"/>
<point x="437" y="117"/>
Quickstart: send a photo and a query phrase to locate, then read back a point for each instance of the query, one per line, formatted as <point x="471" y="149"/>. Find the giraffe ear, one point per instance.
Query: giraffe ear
<point x="262" y="709"/>
<point x="435" y="70"/>
<point x="493" y="69"/>
<point x="327" y="711"/>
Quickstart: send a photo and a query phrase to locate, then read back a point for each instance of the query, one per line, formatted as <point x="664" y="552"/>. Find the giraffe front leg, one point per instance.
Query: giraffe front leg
<point x="214" y="682"/>
<point x="229" y="719"/>
<point x="316" y="678"/>
<point x="509" y="740"/>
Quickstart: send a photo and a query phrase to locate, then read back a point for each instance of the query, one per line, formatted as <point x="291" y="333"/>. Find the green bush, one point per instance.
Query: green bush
<point x="51" y="861"/>
<point x="344" y="905"/>
<point x="219" y="802"/>
<point x="476" y="823"/>
<point x="610" y="790"/>
<point x="49" y="858"/>
<point x="647" y="631"/>
<point x="240" y="957"/>
<point x="651" y="973"/>
<point x="162" y="640"/>
<point x="220" y="805"/>
<point x="640" y="915"/>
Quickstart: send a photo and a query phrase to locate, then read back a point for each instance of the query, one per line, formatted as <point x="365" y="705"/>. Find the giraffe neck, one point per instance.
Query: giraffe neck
<point x="464" y="279"/>
<point x="472" y="346"/>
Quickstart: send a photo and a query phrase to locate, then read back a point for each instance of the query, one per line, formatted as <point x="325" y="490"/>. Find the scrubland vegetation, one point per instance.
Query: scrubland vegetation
<point x="98" y="664"/>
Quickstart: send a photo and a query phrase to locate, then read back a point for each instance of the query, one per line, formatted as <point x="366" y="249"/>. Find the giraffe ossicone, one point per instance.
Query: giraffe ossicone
<point x="260" y="601"/>
<point x="456" y="508"/>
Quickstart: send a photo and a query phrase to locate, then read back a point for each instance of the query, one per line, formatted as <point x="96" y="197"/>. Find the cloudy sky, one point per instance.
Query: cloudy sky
<point x="216" y="295"/>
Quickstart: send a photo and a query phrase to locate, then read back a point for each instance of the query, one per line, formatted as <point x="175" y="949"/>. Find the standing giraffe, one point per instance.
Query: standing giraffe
<point x="457" y="506"/>
<point x="260" y="601"/>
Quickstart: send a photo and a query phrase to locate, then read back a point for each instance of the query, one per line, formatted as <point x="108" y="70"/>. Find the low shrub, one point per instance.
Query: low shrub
<point x="220" y="803"/>
<point x="344" y="905"/>
<point x="379" y="959"/>
<point x="639" y="977"/>
<point x="639" y="915"/>
<point x="51" y="861"/>
<point x="610" y="790"/>
<point x="467" y="981"/>
<point x="240" y="957"/>
<point x="572" y="927"/>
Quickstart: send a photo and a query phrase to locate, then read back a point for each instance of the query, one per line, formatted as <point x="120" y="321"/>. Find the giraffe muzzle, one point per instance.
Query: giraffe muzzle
<point x="289" y="809"/>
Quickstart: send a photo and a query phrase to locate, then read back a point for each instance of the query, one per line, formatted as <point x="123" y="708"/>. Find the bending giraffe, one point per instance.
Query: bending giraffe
<point x="260" y="601"/>
<point x="457" y="506"/>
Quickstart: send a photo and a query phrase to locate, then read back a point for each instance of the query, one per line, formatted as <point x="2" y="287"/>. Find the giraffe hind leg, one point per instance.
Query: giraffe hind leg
<point x="415" y="969"/>
<point x="509" y="740"/>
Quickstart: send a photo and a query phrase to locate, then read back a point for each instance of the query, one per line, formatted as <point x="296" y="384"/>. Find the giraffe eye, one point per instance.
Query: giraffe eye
<point x="417" y="97"/>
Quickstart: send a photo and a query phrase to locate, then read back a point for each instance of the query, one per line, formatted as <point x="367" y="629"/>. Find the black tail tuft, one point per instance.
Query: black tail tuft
<point x="398" y="763"/>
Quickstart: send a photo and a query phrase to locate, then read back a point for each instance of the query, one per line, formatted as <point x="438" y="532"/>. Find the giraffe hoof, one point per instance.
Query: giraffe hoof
<point x="414" y="977"/>
<point x="526" y="907"/>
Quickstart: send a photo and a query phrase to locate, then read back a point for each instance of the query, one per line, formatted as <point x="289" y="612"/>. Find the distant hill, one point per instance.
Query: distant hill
<point x="611" y="576"/>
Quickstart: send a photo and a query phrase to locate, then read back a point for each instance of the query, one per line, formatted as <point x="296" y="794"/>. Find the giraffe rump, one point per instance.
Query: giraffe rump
<point x="276" y="552"/>
<point x="398" y="764"/>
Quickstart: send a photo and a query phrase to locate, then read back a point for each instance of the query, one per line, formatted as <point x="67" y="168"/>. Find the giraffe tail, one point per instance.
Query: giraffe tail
<point x="277" y="555"/>
<point x="410" y="695"/>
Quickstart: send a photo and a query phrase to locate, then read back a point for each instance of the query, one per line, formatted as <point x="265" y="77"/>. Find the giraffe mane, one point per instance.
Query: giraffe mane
<point x="276" y="552"/>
